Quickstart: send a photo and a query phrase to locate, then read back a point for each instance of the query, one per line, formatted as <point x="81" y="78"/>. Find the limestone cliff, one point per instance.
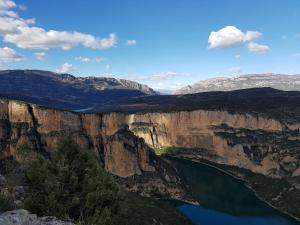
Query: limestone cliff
<point x="258" y="143"/>
<point x="122" y="153"/>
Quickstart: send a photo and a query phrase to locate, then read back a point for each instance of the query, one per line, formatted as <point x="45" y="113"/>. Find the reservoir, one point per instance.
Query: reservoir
<point x="224" y="200"/>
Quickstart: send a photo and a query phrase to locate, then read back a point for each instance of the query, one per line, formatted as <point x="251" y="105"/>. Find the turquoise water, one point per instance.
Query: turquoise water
<point x="225" y="200"/>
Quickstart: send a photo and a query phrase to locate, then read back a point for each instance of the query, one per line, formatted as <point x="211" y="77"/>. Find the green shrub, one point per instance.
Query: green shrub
<point x="72" y="185"/>
<point x="6" y="203"/>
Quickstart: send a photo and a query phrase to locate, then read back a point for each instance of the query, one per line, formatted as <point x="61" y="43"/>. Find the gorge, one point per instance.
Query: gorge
<point x="260" y="148"/>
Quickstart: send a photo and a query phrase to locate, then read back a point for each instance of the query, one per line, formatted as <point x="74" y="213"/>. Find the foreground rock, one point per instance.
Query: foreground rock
<point x="23" y="217"/>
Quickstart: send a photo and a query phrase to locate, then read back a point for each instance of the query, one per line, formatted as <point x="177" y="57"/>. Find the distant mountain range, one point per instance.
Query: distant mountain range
<point x="277" y="81"/>
<point x="67" y="91"/>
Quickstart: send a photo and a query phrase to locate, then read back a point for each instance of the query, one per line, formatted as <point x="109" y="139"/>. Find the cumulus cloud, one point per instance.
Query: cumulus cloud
<point x="254" y="47"/>
<point x="130" y="42"/>
<point x="231" y="36"/>
<point x="87" y="59"/>
<point x="8" y="55"/>
<point x="40" y="55"/>
<point x="65" y="68"/>
<point x="6" y="8"/>
<point x="24" y="34"/>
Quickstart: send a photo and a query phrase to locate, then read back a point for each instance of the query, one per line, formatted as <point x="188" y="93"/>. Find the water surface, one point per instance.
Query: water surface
<point x="225" y="200"/>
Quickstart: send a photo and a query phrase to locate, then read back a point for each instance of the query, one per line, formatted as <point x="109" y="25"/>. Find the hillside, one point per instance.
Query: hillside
<point x="67" y="91"/>
<point x="277" y="81"/>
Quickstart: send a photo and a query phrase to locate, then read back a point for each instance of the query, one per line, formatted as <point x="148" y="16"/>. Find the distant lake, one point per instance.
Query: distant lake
<point x="225" y="200"/>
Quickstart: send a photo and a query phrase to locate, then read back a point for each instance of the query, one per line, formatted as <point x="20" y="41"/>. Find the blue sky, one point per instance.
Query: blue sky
<point x="162" y="43"/>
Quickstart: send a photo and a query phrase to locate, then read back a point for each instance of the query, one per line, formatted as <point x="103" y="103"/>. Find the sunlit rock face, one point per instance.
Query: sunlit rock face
<point x="123" y="141"/>
<point x="122" y="153"/>
<point x="260" y="144"/>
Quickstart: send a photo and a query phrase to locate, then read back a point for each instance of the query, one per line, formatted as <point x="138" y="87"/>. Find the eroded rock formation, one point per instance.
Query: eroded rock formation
<point x="258" y="143"/>
<point x="122" y="153"/>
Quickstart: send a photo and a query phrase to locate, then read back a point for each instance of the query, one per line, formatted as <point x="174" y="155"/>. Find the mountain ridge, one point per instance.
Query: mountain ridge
<point x="65" y="90"/>
<point x="278" y="81"/>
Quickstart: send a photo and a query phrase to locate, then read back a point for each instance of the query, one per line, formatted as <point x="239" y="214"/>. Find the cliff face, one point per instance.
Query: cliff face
<point x="122" y="153"/>
<point x="262" y="145"/>
<point x="123" y="141"/>
<point x="41" y="128"/>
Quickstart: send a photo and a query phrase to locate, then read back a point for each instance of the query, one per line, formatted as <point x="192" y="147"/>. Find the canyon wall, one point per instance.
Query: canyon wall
<point x="121" y="152"/>
<point x="262" y="145"/>
<point x="124" y="141"/>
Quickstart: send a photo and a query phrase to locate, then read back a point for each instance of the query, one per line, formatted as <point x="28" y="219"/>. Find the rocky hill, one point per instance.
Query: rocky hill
<point x="65" y="90"/>
<point x="277" y="81"/>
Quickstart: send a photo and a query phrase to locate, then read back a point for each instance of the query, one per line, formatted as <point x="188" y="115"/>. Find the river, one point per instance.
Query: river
<point x="225" y="200"/>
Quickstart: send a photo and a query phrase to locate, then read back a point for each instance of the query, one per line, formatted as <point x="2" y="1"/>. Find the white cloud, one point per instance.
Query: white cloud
<point x="40" y="55"/>
<point x="6" y="7"/>
<point x="163" y="76"/>
<point x="87" y="59"/>
<point x="235" y="69"/>
<point x="130" y="42"/>
<point x="254" y="47"/>
<point x="83" y="59"/>
<point x="237" y="56"/>
<point x="7" y="4"/>
<point x="65" y="68"/>
<point x="231" y="36"/>
<point x="8" y="55"/>
<point x="24" y="34"/>
<point x="158" y="76"/>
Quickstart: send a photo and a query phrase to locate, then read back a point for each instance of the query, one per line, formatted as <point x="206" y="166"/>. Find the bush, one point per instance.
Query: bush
<point x="72" y="185"/>
<point x="6" y="203"/>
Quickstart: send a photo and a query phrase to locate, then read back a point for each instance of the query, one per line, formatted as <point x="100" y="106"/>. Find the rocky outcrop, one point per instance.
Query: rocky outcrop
<point x="123" y="141"/>
<point x="23" y="217"/>
<point x="127" y="155"/>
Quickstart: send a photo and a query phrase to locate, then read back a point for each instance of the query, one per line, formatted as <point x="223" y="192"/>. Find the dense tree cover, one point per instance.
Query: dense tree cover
<point x="72" y="185"/>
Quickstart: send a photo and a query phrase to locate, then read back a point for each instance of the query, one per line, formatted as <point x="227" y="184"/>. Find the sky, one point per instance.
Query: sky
<point x="165" y="44"/>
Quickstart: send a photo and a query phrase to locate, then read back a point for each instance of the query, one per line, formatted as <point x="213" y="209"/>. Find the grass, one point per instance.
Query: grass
<point x="160" y="151"/>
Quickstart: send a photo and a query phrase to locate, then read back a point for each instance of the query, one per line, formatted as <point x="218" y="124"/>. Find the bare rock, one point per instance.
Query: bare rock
<point x="23" y="217"/>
